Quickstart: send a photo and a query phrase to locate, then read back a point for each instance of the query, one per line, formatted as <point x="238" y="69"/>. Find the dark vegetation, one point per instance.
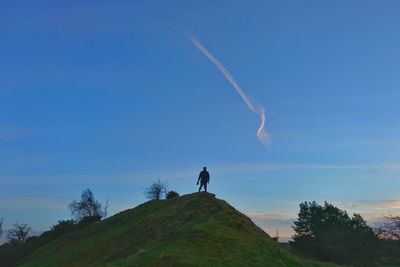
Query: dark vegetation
<point x="330" y="234"/>
<point x="389" y="232"/>
<point x="172" y="194"/>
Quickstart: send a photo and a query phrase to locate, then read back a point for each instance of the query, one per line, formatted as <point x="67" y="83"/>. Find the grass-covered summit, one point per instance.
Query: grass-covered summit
<point x="192" y="230"/>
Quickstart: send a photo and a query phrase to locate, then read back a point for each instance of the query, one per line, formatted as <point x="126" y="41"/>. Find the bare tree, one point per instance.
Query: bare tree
<point x="157" y="190"/>
<point x="19" y="233"/>
<point x="390" y="229"/>
<point x="87" y="207"/>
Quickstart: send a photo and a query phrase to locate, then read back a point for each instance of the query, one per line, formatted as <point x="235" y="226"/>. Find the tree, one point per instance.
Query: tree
<point x="390" y="229"/>
<point x="87" y="207"/>
<point x="157" y="190"/>
<point x="331" y="235"/>
<point x="19" y="233"/>
<point x="172" y="194"/>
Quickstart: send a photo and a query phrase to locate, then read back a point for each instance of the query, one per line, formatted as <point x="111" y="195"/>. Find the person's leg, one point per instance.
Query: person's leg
<point x="201" y="185"/>
<point x="205" y="186"/>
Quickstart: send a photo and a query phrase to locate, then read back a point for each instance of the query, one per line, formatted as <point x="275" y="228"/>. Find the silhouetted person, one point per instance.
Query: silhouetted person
<point x="204" y="178"/>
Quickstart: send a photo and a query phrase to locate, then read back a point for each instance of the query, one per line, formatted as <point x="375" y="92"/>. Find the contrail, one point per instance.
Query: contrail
<point x="261" y="134"/>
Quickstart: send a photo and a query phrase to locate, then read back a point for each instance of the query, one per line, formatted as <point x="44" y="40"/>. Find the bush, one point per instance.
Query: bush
<point x="89" y="219"/>
<point x="172" y="194"/>
<point x="330" y="234"/>
<point x="63" y="227"/>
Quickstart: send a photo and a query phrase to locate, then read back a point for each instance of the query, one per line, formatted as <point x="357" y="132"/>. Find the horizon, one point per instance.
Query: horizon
<point x="112" y="97"/>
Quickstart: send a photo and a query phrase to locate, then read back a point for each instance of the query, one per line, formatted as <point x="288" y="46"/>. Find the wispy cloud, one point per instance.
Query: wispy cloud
<point x="257" y="109"/>
<point x="383" y="205"/>
<point x="393" y="204"/>
<point x="260" y="167"/>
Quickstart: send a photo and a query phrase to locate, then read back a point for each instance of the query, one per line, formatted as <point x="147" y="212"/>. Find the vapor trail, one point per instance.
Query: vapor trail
<point x="261" y="134"/>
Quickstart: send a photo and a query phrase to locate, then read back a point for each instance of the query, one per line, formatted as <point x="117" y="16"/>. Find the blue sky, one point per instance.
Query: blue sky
<point x="112" y="96"/>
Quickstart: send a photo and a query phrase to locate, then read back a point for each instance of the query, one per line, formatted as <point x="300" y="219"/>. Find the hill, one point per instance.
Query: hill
<point x="192" y="230"/>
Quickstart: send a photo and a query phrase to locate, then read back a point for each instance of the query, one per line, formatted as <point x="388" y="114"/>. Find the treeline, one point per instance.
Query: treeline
<point x="327" y="233"/>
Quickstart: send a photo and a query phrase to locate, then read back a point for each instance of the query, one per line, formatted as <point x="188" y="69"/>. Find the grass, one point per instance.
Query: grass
<point x="191" y="230"/>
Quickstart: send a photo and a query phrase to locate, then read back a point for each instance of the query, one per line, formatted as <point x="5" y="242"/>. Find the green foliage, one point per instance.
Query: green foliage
<point x="330" y="234"/>
<point x="172" y="194"/>
<point x="192" y="230"/>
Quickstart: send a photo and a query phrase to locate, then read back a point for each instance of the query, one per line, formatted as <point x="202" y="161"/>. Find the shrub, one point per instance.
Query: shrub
<point x="172" y="194"/>
<point x="63" y="227"/>
<point x="89" y="219"/>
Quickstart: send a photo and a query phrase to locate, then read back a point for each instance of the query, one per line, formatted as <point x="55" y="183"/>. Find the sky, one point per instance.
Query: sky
<point x="112" y="96"/>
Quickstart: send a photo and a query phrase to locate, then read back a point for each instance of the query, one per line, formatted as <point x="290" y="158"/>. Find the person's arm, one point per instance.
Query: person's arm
<point x="208" y="178"/>
<point x="198" y="179"/>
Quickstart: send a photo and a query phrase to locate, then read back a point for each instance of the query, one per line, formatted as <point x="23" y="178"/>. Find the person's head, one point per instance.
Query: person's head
<point x="204" y="168"/>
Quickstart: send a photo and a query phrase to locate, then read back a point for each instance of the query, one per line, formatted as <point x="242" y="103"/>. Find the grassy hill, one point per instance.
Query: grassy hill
<point x="191" y="230"/>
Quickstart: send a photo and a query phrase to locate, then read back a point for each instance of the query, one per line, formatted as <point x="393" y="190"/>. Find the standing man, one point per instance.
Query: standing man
<point x="204" y="178"/>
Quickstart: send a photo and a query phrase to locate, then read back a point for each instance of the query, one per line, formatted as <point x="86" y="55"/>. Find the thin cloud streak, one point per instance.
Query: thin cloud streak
<point x="266" y="167"/>
<point x="389" y="204"/>
<point x="33" y="203"/>
<point x="261" y="133"/>
<point x="178" y="174"/>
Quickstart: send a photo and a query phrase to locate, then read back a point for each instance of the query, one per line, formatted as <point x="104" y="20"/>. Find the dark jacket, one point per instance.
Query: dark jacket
<point x="204" y="177"/>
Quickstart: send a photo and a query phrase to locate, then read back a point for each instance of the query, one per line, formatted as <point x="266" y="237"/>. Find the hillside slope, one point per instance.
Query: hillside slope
<point x="191" y="230"/>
